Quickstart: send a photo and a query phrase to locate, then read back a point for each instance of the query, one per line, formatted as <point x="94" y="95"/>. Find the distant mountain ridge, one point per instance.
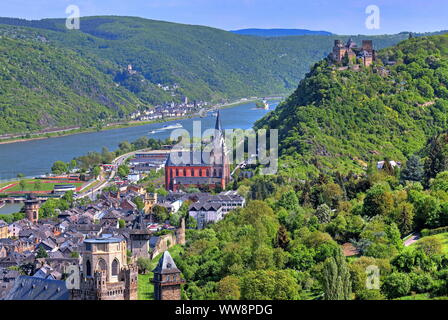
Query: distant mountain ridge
<point x="279" y="32"/>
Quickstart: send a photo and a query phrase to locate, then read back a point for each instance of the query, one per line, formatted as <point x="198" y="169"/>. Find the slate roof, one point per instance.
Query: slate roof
<point x="208" y="206"/>
<point x="166" y="264"/>
<point x="32" y="288"/>
<point x="196" y="180"/>
<point x="195" y="159"/>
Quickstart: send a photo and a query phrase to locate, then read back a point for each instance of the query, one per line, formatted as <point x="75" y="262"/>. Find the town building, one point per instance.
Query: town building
<point x="4" y="230"/>
<point x="206" y="213"/>
<point x="200" y="169"/>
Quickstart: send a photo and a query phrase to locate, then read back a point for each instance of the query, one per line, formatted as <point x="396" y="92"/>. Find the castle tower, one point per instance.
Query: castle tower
<point x="32" y="206"/>
<point x="167" y="280"/>
<point x="180" y="233"/>
<point x="106" y="273"/>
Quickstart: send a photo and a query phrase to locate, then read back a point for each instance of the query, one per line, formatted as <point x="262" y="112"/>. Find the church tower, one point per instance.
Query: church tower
<point x="167" y="280"/>
<point x="219" y="155"/>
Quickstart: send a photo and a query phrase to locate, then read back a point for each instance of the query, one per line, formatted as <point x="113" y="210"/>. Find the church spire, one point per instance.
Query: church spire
<point x="218" y="125"/>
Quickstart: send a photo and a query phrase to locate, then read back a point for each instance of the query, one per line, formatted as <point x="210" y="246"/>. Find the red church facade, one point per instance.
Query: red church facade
<point x="206" y="174"/>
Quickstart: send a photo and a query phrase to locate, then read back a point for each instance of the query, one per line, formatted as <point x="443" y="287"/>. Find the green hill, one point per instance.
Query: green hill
<point x="66" y="77"/>
<point x="344" y="119"/>
<point x="42" y="86"/>
<point x="206" y="63"/>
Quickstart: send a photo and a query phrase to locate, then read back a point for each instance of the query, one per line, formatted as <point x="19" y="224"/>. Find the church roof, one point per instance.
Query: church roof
<point x="195" y="158"/>
<point x="197" y="180"/>
<point x="218" y="125"/>
<point x="166" y="264"/>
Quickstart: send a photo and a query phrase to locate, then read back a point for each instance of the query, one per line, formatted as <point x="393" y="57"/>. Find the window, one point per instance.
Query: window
<point x="115" y="267"/>
<point x="88" y="247"/>
<point x="88" y="268"/>
<point x="102" y="266"/>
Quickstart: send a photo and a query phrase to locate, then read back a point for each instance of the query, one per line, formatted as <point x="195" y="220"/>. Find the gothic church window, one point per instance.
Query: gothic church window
<point x="115" y="267"/>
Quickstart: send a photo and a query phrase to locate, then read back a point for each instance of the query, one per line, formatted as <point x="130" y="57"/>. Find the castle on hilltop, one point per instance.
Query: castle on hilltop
<point x="350" y="53"/>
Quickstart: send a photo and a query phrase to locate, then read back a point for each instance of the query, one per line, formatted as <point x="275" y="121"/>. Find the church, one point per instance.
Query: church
<point x="201" y="170"/>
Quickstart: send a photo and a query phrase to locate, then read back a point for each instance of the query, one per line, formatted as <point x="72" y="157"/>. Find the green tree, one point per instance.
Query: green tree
<point x="22" y="184"/>
<point x="413" y="171"/>
<point x="161" y="213"/>
<point x="289" y="201"/>
<point x="323" y="213"/>
<point x="440" y="182"/>
<point x="269" y="285"/>
<point x="59" y="167"/>
<point x="282" y="237"/>
<point x="143" y="265"/>
<point x="123" y="171"/>
<point x="96" y="171"/>
<point x="229" y="288"/>
<point x="436" y="161"/>
<point x="72" y="164"/>
<point x="378" y="200"/>
<point x="396" y="285"/>
<point x="139" y="202"/>
<point x="41" y="253"/>
<point x="336" y="278"/>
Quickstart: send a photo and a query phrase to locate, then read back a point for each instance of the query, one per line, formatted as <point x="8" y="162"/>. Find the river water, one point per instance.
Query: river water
<point x="10" y="208"/>
<point x="34" y="158"/>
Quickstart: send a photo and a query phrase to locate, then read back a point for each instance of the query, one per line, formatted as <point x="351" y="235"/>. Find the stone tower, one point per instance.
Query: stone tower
<point x="180" y="233"/>
<point x="32" y="206"/>
<point x="150" y="201"/>
<point x="167" y="280"/>
<point x="106" y="273"/>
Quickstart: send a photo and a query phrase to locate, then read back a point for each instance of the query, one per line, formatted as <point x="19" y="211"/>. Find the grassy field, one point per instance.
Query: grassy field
<point x="421" y="296"/>
<point x="145" y="287"/>
<point x="44" y="186"/>
<point x="443" y="237"/>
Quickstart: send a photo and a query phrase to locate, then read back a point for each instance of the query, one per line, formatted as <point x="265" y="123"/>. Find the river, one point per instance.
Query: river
<point x="10" y="208"/>
<point x="34" y="158"/>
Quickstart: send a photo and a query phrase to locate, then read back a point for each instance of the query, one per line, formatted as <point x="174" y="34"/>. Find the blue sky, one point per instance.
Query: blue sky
<point x="338" y="16"/>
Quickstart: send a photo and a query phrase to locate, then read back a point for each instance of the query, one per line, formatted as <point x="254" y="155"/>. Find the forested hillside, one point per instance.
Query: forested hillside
<point x="43" y="86"/>
<point x="207" y="63"/>
<point x="379" y="233"/>
<point x="345" y="119"/>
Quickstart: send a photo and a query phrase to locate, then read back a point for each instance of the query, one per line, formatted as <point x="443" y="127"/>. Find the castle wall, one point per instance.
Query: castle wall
<point x="165" y="242"/>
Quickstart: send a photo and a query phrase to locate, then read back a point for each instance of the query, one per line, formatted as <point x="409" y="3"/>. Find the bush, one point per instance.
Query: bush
<point x="144" y="265"/>
<point x="431" y="232"/>
<point x="396" y="285"/>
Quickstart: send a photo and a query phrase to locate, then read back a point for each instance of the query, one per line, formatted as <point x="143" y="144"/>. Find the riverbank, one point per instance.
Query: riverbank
<point x="112" y="126"/>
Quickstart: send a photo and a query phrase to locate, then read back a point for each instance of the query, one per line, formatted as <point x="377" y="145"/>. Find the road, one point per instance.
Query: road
<point x="92" y="194"/>
<point x="412" y="239"/>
